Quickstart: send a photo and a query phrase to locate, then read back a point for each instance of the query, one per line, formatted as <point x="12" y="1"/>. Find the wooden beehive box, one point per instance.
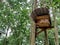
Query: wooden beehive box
<point x="41" y="17"/>
<point x="43" y="21"/>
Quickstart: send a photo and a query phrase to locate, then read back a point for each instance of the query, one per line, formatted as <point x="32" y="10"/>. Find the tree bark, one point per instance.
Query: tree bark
<point x="33" y="25"/>
<point x="55" y="30"/>
<point x="46" y="38"/>
<point x="34" y="4"/>
<point x="55" y="26"/>
<point x="32" y="33"/>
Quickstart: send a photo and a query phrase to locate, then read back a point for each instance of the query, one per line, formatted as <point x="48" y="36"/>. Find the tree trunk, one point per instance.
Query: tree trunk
<point x="55" y="26"/>
<point x="46" y="38"/>
<point x="55" y="30"/>
<point x="34" y="4"/>
<point x="32" y="33"/>
<point x="33" y="25"/>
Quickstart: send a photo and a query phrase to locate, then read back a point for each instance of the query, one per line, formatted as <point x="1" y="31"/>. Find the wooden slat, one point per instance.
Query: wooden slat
<point x="42" y="17"/>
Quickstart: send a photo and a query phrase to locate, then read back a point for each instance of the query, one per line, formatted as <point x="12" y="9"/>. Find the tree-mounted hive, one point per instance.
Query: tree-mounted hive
<point x="41" y="17"/>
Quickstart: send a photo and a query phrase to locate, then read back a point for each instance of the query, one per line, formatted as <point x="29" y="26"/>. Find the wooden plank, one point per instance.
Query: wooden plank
<point x="32" y="36"/>
<point x="46" y="38"/>
<point x="42" y="17"/>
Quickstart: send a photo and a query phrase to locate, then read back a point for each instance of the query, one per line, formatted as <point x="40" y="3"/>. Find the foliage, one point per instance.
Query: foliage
<point x="14" y="15"/>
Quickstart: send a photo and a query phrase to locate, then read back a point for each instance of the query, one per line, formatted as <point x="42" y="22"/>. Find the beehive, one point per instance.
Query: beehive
<point x="41" y="17"/>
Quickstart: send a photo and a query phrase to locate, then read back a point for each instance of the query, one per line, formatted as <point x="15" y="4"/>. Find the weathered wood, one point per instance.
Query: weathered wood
<point x="39" y="12"/>
<point x="46" y="37"/>
<point x="33" y="25"/>
<point x="42" y="17"/>
<point x="33" y="33"/>
<point x="43" y="21"/>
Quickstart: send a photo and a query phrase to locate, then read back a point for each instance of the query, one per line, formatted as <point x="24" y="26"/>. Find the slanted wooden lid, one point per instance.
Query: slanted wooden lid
<point x="39" y="12"/>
